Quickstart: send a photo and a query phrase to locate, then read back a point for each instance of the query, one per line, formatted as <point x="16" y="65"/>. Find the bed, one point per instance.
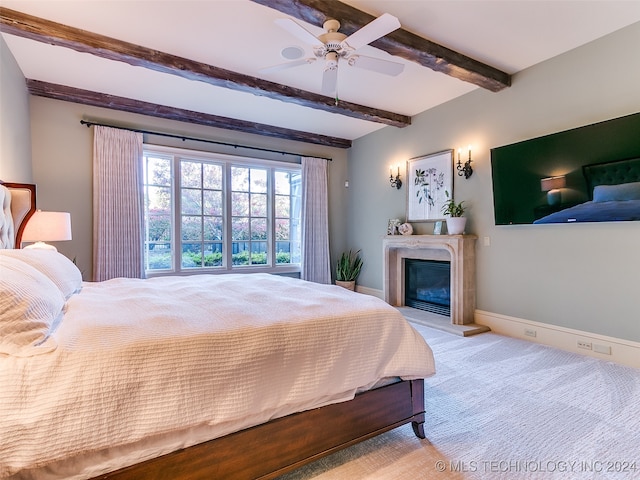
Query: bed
<point x="614" y="195"/>
<point x="209" y="376"/>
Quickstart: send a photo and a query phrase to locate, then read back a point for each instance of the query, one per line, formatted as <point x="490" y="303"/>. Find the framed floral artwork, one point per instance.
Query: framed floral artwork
<point x="430" y="184"/>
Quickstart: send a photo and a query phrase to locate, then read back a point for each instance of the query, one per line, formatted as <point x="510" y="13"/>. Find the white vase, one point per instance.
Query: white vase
<point x="455" y="225"/>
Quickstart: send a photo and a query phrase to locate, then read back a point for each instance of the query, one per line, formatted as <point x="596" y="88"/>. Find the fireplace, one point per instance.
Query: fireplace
<point x="456" y="251"/>
<point x="427" y="285"/>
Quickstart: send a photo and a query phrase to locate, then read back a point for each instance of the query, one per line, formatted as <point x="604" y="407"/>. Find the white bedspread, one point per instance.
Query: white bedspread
<point x="141" y="358"/>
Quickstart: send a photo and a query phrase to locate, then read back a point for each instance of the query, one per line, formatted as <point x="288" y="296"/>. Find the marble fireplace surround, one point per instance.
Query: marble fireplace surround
<point x="459" y="250"/>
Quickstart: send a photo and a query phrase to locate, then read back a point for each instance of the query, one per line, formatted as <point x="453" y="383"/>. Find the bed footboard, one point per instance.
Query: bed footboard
<point x="284" y="444"/>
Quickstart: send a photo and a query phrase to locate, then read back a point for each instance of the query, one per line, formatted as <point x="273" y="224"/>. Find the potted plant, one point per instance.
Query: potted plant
<point x="348" y="268"/>
<point x="454" y="212"/>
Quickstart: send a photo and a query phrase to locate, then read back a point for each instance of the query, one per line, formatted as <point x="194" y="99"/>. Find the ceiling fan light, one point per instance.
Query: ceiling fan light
<point x="331" y="61"/>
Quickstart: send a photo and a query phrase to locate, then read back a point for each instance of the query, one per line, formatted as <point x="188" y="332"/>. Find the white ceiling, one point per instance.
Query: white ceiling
<point x="241" y="36"/>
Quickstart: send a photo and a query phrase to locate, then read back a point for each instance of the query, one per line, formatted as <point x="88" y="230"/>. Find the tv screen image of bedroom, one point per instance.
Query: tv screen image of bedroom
<point x="587" y="174"/>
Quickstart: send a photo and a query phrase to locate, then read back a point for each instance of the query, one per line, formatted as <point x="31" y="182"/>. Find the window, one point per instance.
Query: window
<point x="212" y="212"/>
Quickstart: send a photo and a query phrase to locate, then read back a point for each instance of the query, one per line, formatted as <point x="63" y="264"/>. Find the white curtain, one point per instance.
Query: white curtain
<point x="117" y="204"/>
<point x="315" y="221"/>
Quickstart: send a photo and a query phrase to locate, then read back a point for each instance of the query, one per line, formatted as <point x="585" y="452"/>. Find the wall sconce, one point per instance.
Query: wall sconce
<point x="552" y="186"/>
<point x="47" y="227"/>
<point x="395" y="182"/>
<point x="465" y="169"/>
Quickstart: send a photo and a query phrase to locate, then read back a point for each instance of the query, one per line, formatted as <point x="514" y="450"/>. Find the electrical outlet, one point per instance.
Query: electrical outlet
<point x="606" y="349"/>
<point x="530" y="332"/>
<point x="583" y="344"/>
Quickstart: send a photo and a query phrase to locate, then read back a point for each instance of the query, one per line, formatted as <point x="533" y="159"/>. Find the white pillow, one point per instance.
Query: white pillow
<point x="60" y="270"/>
<point x="617" y="193"/>
<point x="31" y="306"/>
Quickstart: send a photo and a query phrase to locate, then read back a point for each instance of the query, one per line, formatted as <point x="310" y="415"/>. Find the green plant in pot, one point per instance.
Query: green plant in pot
<point x="454" y="212"/>
<point x="348" y="268"/>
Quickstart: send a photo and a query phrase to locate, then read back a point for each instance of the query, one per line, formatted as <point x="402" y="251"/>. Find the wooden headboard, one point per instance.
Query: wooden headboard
<point x="18" y="204"/>
<point x="611" y="173"/>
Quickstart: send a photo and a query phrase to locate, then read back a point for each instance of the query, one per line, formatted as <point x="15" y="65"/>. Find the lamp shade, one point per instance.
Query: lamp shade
<point x="48" y="227"/>
<point x="552" y="183"/>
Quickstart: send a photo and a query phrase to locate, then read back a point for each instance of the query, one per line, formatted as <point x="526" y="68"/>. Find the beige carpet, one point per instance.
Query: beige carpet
<point x="506" y="409"/>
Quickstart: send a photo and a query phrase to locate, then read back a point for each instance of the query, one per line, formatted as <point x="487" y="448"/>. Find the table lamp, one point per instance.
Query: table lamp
<point x="47" y="227"/>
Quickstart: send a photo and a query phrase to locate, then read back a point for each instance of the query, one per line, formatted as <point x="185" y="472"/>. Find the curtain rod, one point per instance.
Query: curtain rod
<point x="183" y="138"/>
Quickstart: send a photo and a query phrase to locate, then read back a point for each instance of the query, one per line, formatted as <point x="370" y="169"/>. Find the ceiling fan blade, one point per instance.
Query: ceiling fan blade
<point x="298" y="31"/>
<point x="329" y="81"/>
<point x="376" y="64"/>
<point x="379" y="27"/>
<point x="284" y="66"/>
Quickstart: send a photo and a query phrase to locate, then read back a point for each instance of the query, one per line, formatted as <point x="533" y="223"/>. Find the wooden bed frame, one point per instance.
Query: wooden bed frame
<point x="284" y="444"/>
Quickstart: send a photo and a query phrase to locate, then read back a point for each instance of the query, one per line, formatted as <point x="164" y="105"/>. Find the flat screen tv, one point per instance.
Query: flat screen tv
<point x="587" y="174"/>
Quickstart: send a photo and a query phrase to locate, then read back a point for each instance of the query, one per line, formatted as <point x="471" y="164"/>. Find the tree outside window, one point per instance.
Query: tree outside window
<point x="253" y="223"/>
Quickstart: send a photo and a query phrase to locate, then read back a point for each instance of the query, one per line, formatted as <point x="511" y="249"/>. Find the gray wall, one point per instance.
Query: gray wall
<point x="62" y="164"/>
<point x="15" y="141"/>
<point x="577" y="276"/>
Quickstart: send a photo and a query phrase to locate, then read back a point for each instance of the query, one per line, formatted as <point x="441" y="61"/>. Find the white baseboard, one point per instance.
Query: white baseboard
<point x="374" y="292"/>
<point x="624" y="352"/>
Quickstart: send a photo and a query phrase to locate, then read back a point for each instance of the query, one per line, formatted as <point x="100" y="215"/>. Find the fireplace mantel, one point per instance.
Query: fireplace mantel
<point x="457" y="249"/>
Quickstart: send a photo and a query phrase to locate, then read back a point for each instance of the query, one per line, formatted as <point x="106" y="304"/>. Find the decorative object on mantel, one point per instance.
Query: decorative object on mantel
<point x="456" y="225"/>
<point x="395" y="181"/>
<point x="455" y="221"/>
<point x="348" y="269"/>
<point x="392" y="227"/>
<point x="405" y="229"/>
<point x="465" y="169"/>
<point x="437" y="227"/>
<point x="429" y="177"/>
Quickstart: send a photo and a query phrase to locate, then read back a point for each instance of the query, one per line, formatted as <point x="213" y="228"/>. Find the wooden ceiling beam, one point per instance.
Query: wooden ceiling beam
<point x="399" y="43"/>
<point x="41" y="30"/>
<point x="95" y="99"/>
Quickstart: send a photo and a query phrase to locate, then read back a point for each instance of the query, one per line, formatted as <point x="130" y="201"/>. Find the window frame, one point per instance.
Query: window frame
<point x="227" y="161"/>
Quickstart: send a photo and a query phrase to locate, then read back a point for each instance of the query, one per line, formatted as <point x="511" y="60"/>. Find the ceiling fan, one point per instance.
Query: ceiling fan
<point x="333" y="46"/>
